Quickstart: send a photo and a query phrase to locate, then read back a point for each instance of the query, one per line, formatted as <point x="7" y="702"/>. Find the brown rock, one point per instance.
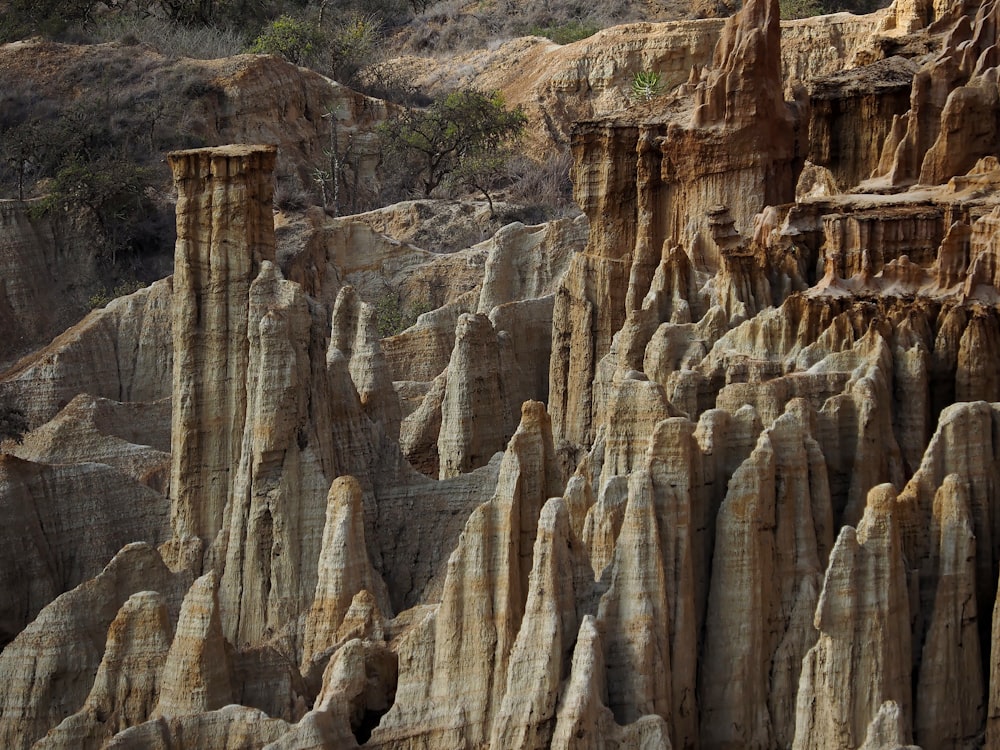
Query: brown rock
<point x="224" y="232"/>
<point x="863" y="622"/>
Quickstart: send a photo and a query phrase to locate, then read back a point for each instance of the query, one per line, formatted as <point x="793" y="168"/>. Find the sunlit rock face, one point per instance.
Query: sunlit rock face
<point x="683" y="472"/>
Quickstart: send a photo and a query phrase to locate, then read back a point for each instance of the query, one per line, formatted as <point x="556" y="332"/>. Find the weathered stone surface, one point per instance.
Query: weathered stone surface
<point x="476" y="411"/>
<point x="543" y="648"/>
<point x="64" y="523"/>
<point x="343" y="572"/>
<point x="950" y="701"/>
<point x="229" y="728"/>
<point x="50" y="668"/>
<point x="355" y="334"/>
<point x="863" y="618"/>
<point x="196" y="674"/>
<point x="224" y="232"/>
<point x="451" y="667"/>
<point x="121" y="352"/>
<point x="127" y="685"/>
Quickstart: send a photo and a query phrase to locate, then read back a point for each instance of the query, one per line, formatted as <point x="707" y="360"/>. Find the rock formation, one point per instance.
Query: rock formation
<point x="224" y="233"/>
<point x="712" y="466"/>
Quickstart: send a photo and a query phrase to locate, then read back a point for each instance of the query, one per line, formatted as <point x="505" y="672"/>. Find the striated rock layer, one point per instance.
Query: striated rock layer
<point x="719" y="471"/>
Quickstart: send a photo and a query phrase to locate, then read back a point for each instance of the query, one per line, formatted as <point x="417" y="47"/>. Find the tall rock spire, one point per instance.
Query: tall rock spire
<point x="224" y="231"/>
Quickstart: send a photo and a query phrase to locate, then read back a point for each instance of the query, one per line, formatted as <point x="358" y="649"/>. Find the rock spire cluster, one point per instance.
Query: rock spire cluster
<point x="713" y="466"/>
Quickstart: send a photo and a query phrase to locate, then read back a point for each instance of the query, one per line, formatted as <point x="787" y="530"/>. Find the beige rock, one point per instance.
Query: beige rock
<point x="735" y="667"/>
<point x="133" y="437"/>
<point x="634" y="614"/>
<point x="529" y="262"/>
<point x="863" y="622"/>
<point x="224" y="232"/>
<point x="121" y="352"/>
<point x="583" y="720"/>
<point x="49" y="668"/>
<point x="423" y="350"/>
<point x="476" y="412"/>
<point x="343" y="571"/>
<point x="127" y="685"/>
<point x="603" y="523"/>
<point x="850" y="114"/>
<point x="196" y="675"/>
<point x="271" y="537"/>
<point x="355" y="334"/>
<point x="65" y="522"/>
<point x="450" y="672"/>
<point x="229" y="728"/>
<point x="962" y="445"/>
<point x="888" y="729"/>
<point x="418" y="433"/>
<point x="950" y="701"/>
<point x="543" y="648"/>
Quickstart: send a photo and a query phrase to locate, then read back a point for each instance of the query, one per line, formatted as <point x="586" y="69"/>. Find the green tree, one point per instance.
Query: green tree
<point x="354" y="44"/>
<point x="299" y="42"/>
<point x="13" y="424"/>
<point x="462" y="128"/>
<point x="111" y="192"/>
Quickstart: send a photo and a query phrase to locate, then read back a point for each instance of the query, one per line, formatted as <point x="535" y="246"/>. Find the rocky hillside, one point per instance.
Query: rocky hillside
<point x="714" y="464"/>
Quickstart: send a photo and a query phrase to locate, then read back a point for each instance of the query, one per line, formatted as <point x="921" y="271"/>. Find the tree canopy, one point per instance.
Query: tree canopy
<point x="454" y="133"/>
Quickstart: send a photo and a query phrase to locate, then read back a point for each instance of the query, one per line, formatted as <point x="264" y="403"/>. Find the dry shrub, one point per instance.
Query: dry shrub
<point x="545" y="184"/>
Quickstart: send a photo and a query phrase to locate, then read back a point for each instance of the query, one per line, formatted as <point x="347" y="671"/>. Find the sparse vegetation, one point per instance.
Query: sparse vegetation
<point x="646" y="84"/>
<point x="13" y="424"/>
<point x="393" y="318"/>
<point x="566" y="33"/>
<point x="300" y="42"/>
<point x="456" y="134"/>
<point x="122" y="289"/>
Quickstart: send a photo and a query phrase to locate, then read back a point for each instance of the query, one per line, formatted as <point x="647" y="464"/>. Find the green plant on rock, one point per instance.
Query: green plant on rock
<point x="391" y="316"/>
<point x="646" y="84"/>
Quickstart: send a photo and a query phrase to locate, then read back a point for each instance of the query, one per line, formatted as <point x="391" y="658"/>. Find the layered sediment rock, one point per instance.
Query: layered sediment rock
<point x="733" y="386"/>
<point x="224" y="233"/>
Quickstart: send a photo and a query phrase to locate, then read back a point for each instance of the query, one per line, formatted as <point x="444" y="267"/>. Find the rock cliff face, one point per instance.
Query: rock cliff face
<point x="714" y="466"/>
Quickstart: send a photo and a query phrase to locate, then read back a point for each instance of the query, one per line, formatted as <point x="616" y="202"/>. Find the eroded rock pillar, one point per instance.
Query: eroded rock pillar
<point x="225" y="229"/>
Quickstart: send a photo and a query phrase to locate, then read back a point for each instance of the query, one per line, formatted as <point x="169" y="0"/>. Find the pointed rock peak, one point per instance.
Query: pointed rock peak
<point x="745" y="82"/>
<point x="888" y="729"/>
<point x="365" y="619"/>
<point x="541" y="652"/>
<point x="879" y="517"/>
<point x="343" y="571"/>
<point x="196" y="674"/>
<point x="529" y="464"/>
<point x="582" y="718"/>
<point x="127" y="684"/>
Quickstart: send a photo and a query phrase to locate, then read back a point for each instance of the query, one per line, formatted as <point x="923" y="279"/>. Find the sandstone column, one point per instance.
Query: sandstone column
<point x="224" y="231"/>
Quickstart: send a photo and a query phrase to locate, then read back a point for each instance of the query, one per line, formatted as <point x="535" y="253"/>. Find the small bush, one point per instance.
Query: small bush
<point x="565" y="33"/>
<point x="299" y="42"/>
<point x="792" y="9"/>
<point x="121" y="289"/>
<point x="13" y="424"/>
<point x="392" y="318"/>
<point x="646" y="84"/>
